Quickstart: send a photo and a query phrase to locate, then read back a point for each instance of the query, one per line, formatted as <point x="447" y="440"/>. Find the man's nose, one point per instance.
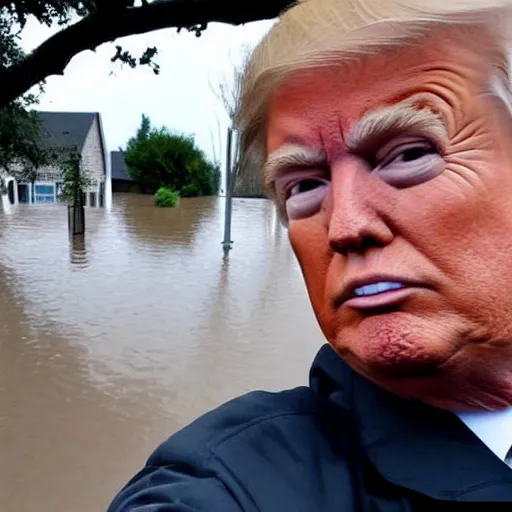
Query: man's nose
<point x="356" y="218"/>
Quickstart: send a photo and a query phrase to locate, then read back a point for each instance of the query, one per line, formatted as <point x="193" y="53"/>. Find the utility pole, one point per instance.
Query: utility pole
<point x="232" y="160"/>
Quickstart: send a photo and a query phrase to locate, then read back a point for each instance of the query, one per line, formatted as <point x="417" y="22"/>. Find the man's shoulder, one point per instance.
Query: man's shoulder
<point x="261" y="451"/>
<point x="250" y="415"/>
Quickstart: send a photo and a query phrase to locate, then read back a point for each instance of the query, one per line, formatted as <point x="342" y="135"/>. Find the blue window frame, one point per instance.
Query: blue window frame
<point x="44" y="193"/>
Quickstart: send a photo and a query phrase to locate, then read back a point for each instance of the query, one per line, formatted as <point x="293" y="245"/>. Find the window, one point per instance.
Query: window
<point x="44" y="194"/>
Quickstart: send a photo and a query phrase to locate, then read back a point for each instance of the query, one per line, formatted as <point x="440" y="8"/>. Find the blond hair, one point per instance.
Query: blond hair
<point x="316" y="33"/>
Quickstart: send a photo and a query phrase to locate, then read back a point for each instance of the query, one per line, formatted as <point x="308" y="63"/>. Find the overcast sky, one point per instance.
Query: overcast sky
<point x="179" y="98"/>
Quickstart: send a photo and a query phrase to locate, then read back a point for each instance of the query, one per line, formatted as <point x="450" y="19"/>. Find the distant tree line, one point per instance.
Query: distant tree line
<point x="158" y="157"/>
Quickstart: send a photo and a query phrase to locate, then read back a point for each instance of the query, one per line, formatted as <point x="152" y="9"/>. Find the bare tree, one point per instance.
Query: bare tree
<point x="247" y="178"/>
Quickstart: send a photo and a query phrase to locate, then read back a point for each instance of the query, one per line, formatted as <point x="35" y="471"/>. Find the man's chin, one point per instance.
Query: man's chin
<point x="435" y="359"/>
<point x="411" y="379"/>
<point x="398" y="346"/>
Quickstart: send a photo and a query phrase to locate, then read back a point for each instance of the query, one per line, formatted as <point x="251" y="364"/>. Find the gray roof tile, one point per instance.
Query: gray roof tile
<point x="65" y="129"/>
<point x="119" y="169"/>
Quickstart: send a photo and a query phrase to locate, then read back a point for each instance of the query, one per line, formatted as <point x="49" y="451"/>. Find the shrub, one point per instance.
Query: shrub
<point x="190" y="190"/>
<point x="166" y="197"/>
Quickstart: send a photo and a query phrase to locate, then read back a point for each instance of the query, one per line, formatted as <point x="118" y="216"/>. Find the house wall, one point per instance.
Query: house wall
<point x="5" y="180"/>
<point x="44" y="174"/>
<point x="92" y="154"/>
<point x="49" y="173"/>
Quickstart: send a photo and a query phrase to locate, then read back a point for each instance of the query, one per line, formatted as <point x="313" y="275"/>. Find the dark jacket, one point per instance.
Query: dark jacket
<point x="340" y="445"/>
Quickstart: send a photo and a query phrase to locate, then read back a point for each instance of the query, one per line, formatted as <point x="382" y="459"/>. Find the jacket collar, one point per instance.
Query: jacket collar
<point x="411" y="444"/>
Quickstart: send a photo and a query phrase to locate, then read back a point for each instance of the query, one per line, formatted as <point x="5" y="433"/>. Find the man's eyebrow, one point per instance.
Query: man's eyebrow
<point x="291" y="155"/>
<point x="366" y="133"/>
<point x="404" y="117"/>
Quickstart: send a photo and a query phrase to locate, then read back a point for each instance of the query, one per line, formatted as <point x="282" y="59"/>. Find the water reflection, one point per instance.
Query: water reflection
<point x="78" y="250"/>
<point x="112" y="341"/>
<point x="178" y="225"/>
<point x="54" y="419"/>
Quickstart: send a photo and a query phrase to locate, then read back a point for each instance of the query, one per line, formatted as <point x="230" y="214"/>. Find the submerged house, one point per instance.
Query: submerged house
<point x="78" y="131"/>
<point x="121" y="179"/>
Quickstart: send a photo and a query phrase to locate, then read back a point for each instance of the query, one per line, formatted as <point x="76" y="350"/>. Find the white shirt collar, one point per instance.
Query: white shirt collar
<point x="493" y="428"/>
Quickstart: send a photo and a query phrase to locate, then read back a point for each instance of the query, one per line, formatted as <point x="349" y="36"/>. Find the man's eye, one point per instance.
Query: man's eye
<point x="409" y="154"/>
<point x="302" y="192"/>
<point x="408" y="161"/>
<point x="305" y="186"/>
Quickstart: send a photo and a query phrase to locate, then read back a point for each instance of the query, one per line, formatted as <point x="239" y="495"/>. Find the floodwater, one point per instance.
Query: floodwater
<point x="110" y="344"/>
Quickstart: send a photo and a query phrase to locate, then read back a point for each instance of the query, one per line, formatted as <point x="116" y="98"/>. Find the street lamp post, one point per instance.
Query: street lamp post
<point x="232" y="160"/>
<point x="76" y="211"/>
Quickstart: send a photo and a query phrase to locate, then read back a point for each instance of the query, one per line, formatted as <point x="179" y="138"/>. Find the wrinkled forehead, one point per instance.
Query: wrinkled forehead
<point x="437" y="67"/>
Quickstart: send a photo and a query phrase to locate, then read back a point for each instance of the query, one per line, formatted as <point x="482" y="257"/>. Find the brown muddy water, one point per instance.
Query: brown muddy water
<point x="110" y="344"/>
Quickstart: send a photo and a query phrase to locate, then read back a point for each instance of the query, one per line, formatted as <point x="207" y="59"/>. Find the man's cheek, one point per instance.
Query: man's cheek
<point x="314" y="256"/>
<point x="311" y="246"/>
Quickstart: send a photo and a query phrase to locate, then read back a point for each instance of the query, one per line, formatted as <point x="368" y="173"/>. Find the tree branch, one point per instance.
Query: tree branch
<point x="52" y="56"/>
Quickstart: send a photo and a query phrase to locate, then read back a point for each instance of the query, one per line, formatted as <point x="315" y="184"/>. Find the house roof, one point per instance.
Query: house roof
<point x="119" y="169"/>
<point x="65" y="129"/>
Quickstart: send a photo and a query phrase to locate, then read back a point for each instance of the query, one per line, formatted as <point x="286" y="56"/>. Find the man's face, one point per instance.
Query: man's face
<point x="395" y="173"/>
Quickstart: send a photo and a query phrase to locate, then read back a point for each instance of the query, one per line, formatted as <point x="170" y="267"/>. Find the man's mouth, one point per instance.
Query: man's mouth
<point x="376" y="292"/>
<point x="376" y="288"/>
